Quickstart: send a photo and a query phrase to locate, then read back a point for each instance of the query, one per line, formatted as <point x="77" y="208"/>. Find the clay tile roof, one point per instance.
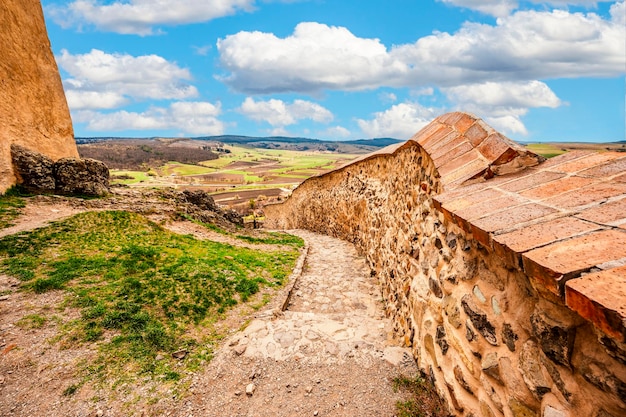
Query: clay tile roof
<point x="463" y="147"/>
<point x="562" y="221"/>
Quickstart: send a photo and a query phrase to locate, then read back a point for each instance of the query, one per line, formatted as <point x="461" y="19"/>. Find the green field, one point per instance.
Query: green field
<point x="243" y="168"/>
<point x="546" y="150"/>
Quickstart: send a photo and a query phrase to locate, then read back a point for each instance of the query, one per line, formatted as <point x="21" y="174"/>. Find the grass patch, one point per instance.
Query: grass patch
<point x="260" y="237"/>
<point x="546" y="150"/>
<point x="128" y="177"/>
<point x="32" y="321"/>
<point x="11" y="205"/>
<point x="143" y="292"/>
<point x="273" y="238"/>
<point x="71" y="390"/>
<point x="179" y="169"/>
<point x="424" y="401"/>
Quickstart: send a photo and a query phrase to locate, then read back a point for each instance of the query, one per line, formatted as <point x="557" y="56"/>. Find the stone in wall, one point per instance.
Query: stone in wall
<point x="480" y="320"/>
<point x="556" y="340"/>
<point x="33" y="108"/>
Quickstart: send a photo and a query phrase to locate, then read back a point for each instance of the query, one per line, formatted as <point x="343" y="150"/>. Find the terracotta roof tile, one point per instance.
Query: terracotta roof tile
<point x="533" y="179"/>
<point x="557" y="187"/>
<point x="612" y="213"/>
<point x="594" y="193"/>
<point x="616" y="166"/>
<point x="565" y="259"/>
<point x="599" y="297"/>
<point x="590" y="160"/>
<point x="541" y="234"/>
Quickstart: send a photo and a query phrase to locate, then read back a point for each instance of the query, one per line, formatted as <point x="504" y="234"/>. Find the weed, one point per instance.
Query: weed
<point x="71" y="390"/>
<point x="424" y="399"/>
<point x="32" y="321"/>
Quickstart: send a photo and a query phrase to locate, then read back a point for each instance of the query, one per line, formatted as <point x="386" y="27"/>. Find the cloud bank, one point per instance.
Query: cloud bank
<point x="98" y="80"/>
<point x="200" y="118"/>
<point x="139" y="17"/>
<point x="528" y="45"/>
<point x="279" y="113"/>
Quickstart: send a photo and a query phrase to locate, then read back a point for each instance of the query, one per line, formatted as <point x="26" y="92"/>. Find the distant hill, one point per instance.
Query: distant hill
<point x="270" y="142"/>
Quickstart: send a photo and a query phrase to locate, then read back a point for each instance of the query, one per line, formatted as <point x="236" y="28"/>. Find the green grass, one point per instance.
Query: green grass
<point x="11" y="204"/>
<point x="137" y="176"/>
<point x="32" y="321"/>
<point x="273" y="238"/>
<point x="546" y="150"/>
<point x="143" y="292"/>
<point x="247" y="177"/>
<point x="424" y="400"/>
<point x="260" y="237"/>
<point x="293" y="166"/>
<point x="179" y="169"/>
<point x="288" y="160"/>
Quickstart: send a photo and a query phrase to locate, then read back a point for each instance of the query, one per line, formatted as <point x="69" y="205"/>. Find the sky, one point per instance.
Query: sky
<point x="341" y="69"/>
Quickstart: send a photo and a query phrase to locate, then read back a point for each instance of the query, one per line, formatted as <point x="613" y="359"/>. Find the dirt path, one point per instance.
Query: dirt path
<point x="39" y="214"/>
<point x="328" y="354"/>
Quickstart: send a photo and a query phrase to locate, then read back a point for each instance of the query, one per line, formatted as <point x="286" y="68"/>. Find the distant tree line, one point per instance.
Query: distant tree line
<point x="143" y="156"/>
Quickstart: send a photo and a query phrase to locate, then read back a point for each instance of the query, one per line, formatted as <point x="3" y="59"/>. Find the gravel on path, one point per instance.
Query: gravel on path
<point x="330" y="353"/>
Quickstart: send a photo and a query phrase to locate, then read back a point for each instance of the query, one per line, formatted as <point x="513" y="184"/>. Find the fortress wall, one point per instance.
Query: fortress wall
<point x="486" y="318"/>
<point x="33" y="109"/>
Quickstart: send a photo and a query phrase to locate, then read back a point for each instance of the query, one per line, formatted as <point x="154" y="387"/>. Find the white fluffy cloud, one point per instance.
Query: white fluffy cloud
<point x="501" y="8"/>
<point x="199" y="118"/>
<point x="279" y="114"/>
<point x="618" y="13"/>
<point x="498" y="8"/>
<point x="400" y="121"/>
<point x="387" y="97"/>
<point x="335" y="132"/>
<point x="79" y="100"/>
<point x="527" y="45"/>
<point x="140" y="16"/>
<point x="315" y="57"/>
<point x="101" y="80"/>
<point x="502" y="104"/>
<point x="505" y="95"/>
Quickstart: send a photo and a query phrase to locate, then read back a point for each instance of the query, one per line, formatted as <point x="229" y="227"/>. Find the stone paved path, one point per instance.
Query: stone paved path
<point x="329" y="354"/>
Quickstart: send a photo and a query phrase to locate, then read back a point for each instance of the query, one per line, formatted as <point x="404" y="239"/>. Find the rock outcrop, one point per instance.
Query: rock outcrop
<point x="33" y="108"/>
<point x="201" y="206"/>
<point x="33" y="170"/>
<point x="40" y="174"/>
<point x="81" y="176"/>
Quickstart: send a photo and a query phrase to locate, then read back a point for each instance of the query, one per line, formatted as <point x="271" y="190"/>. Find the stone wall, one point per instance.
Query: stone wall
<point x="455" y="225"/>
<point x="33" y="109"/>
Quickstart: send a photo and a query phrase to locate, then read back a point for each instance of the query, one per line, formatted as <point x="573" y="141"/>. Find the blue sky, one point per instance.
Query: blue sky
<point x="341" y="69"/>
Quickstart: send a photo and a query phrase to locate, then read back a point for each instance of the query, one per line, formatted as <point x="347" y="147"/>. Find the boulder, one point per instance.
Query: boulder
<point x="201" y="199"/>
<point x="81" y="176"/>
<point x="233" y="217"/>
<point x="34" y="171"/>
